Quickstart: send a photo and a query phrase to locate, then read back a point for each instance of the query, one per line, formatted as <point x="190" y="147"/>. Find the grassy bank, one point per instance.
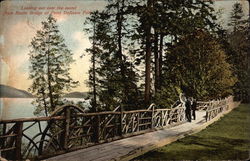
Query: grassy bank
<point x="226" y="139"/>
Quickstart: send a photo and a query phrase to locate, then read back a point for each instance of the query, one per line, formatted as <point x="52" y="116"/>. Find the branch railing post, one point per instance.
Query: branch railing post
<point x="152" y="117"/>
<point x="18" y="142"/>
<point x="162" y="121"/>
<point x="121" y="123"/>
<point x="138" y="122"/>
<point x="97" y="128"/>
<point x="2" y="132"/>
<point x="65" y="135"/>
<point x="206" y="116"/>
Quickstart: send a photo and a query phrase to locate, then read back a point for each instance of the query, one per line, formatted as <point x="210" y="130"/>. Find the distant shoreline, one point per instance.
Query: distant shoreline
<point x="17" y="97"/>
<point x="35" y="97"/>
<point x="11" y="92"/>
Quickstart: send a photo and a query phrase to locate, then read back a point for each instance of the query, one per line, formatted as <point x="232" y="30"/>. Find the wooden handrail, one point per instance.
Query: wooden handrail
<point x="33" y="119"/>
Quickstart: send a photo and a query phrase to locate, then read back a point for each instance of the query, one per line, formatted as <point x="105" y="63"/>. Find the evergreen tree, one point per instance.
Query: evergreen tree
<point x="146" y="30"/>
<point x="248" y="51"/>
<point x="117" y="11"/>
<point x="49" y="69"/>
<point x="237" y="17"/>
<point x="168" y="20"/>
<point x="94" y="51"/>
<point x="238" y="39"/>
<point x="147" y="20"/>
<point x="116" y="79"/>
<point x="197" y="66"/>
<point x="102" y="55"/>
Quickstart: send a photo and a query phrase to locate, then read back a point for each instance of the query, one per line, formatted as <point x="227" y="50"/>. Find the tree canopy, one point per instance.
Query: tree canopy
<point x="197" y="65"/>
<point x="49" y="70"/>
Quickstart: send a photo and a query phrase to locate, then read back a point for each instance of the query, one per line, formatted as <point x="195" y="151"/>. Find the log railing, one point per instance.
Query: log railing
<point x="69" y="128"/>
<point x="217" y="106"/>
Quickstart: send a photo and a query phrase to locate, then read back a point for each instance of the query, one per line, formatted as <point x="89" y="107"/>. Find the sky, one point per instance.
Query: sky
<point x="17" y="29"/>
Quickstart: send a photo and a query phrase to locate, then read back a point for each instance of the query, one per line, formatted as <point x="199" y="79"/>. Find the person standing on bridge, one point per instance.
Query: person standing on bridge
<point x="187" y="105"/>
<point x="188" y="109"/>
<point x="183" y="98"/>
<point x="193" y="107"/>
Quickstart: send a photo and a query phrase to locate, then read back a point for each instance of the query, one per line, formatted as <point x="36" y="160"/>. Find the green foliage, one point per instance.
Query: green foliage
<point x="237" y="21"/>
<point x="49" y="69"/>
<point x="131" y="35"/>
<point x="113" y="74"/>
<point x="238" y="40"/>
<point x="197" y="65"/>
<point x="167" y="96"/>
<point x="170" y="21"/>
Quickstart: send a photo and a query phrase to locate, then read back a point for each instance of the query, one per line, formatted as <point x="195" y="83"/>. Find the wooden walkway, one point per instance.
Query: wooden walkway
<point x="126" y="149"/>
<point x="75" y="130"/>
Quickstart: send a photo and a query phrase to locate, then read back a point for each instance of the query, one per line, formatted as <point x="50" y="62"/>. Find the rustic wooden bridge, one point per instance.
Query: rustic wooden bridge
<point x="71" y="134"/>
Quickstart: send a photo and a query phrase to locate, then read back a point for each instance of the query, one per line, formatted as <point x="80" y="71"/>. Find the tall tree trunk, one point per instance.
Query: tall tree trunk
<point x="148" y="55"/>
<point x="44" y="102"/>
<point x="156" y="61"/>
<point x="248" y="50"/>
<point x="49" y="80"/>
<point x="160" y="60"/>
<point x="119" y="18"/>
<point x="94" y="68"/>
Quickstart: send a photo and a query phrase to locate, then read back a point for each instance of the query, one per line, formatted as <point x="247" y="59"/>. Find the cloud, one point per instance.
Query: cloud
<point x="60" y="17"/>
<point x="20" y="33"/>
<point x="79" y="69"/>
<point x="82" y="42"/>
<point x="1" y="40"/>
<point x="4" y="72"/>
<point x="15" y="70"/>
<point x="78" y="36"/>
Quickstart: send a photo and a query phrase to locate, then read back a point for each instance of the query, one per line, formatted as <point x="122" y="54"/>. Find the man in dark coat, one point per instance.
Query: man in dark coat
<point x="193" y="106"/>
<point x="188" y="109"/>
